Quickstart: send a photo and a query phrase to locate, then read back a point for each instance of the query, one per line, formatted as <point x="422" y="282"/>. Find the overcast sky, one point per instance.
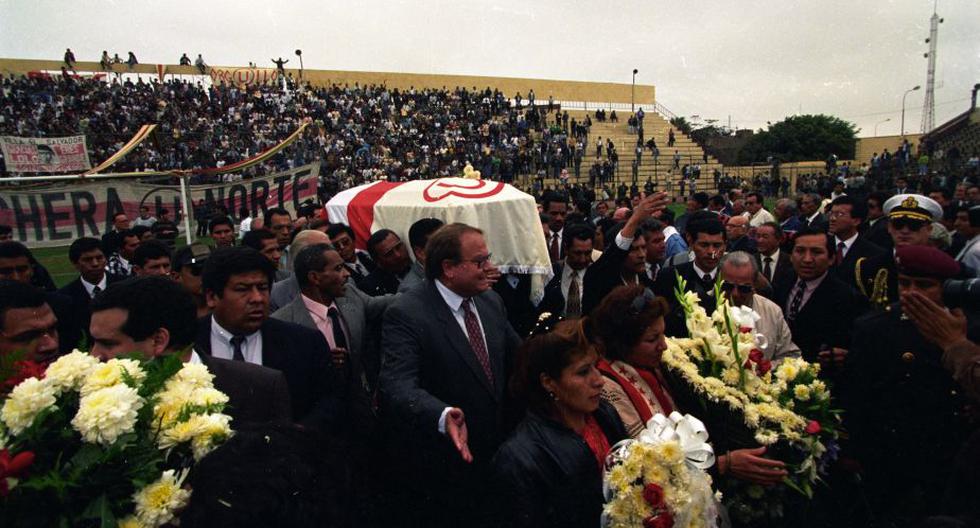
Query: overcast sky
<point x="753" y="60"/>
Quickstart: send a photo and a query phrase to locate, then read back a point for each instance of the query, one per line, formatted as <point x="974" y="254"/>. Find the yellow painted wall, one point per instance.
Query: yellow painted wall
<point x="561" y="90"/>
<point x="866" y="147"/>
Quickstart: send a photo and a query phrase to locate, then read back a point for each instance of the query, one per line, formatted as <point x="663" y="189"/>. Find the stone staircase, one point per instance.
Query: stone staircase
<point x="661" y="171"/>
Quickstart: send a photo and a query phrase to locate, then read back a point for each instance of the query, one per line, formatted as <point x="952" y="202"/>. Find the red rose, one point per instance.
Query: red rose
<point x="764" y="366"/>
<point x="654" y="495"/>
<point x="755" y="355"/>
<point x="813" y="427"/>
<point x="11" y="467"/>
<point x="661" y="520"/>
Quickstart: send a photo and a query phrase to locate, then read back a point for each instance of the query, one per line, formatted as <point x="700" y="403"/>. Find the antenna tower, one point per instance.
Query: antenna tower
<point x="929" y="108"/>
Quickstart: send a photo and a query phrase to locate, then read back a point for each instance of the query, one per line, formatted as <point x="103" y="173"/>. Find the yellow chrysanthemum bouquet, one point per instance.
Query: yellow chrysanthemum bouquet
<point x="659" y="479"/>
<point x="107" y="444"/>
<point x="748" y="401"/>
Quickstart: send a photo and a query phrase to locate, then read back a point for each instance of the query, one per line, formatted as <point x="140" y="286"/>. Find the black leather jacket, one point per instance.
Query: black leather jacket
<point x="546" y="475"/>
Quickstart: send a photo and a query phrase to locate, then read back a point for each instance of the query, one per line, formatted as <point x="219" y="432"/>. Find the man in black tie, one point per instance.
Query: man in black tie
<point x="154" y="316"/>
<point x="555" y="205"/>
<point x="772" y="261"/>
<point x="236" y="284"/>
<point x="563" y="294"/>
<point x="87" y="256"/>
<point x="358" y="262"/>
<point x="447" y="347"/>
<point x="846" y="216"/>
<point x="706" y="237"/>
<point x="819" y="308"/>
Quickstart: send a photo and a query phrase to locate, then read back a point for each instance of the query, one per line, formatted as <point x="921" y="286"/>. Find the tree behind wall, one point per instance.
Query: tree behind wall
<point x="801" y="138"/>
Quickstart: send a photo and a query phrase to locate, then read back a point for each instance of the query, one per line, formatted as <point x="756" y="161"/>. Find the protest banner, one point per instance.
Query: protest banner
<point x="54" y="215"/>
<point x="48" y="154"/>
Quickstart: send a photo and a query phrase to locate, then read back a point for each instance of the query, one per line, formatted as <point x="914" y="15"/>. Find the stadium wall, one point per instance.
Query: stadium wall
<point x="576" y="91"/>
<point x="866" y="147"/>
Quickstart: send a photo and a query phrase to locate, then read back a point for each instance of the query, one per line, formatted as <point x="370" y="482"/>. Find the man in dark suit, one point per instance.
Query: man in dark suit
<point x="555" y="206"/>
<point x="810" y="215"/>
<point x="772" y="261"/>
<point x="155" y="316"/>
<point x="236" y="284"/>
<point x="819" y="307"/>
<point x="358" y="262"/>
<point x="846" y="216"/>
<point x="875" y="229"/>
<point x="447" y="349"/>
<point x="87" y="256"/>
<point x="624" y="259"/>
<point x="391" y="256"/>
<point x="706" y="237"/>
<point x="737" y="231"/>
<point x="566" y="285"/>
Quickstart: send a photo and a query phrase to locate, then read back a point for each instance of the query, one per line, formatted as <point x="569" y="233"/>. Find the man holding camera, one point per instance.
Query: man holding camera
<point x="906" y="414"/>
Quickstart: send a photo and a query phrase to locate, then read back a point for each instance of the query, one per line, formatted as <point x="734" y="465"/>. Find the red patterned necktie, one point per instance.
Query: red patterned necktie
<point x="475" y="336"/>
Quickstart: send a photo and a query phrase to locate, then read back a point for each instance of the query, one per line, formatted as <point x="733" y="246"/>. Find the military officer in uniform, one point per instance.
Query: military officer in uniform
<point x="905" y="413"/>
<point x="910" y="218"/>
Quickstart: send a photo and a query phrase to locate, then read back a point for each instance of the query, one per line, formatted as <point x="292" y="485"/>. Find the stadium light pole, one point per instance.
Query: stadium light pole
<point x="907" y="92"/>
<point x="633" y="92"/>
<point x="299" y="53"/>
<point x="880" y="122"/>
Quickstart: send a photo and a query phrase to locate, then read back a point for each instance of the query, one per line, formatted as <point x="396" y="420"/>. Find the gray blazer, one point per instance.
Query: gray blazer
<point x="413" y="277"/>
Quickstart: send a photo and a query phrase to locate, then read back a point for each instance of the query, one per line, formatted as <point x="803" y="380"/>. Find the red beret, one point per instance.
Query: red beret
<point x="926" y="261"/>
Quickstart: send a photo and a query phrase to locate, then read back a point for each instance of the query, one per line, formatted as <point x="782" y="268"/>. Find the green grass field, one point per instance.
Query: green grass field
<point x="56" y="261"/>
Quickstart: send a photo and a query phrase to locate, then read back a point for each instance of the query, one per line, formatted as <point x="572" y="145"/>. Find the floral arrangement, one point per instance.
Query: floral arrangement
<point x="106" y="444"/>
<point x="659" y="479"/>
<point x="785" y="404"/>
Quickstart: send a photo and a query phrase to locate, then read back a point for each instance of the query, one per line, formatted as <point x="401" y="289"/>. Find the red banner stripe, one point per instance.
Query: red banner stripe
<point x="360" y="210"/>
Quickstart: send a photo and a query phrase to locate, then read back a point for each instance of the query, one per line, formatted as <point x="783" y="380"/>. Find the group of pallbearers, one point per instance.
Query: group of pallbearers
<point x="447" y="416"/>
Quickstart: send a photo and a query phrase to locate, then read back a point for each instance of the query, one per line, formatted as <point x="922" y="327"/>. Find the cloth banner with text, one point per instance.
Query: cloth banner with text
<point x="55" y="215"/>
<point x="244" y="76"/>
<point x="49" y="154"/>
<point x="508" y="217"/>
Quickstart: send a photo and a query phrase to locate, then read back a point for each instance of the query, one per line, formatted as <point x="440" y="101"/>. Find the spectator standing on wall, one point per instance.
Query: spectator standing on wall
<point x="131" y="61"/>
<point x="70" y="58"/>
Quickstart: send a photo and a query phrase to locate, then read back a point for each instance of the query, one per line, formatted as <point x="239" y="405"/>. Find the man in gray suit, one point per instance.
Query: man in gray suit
<point x="447" y="349"/>
<point x="330" y="303"/>
<point x="287" y="290"/>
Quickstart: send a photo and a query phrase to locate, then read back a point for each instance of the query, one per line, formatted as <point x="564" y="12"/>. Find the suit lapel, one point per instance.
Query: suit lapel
<point x="458" y="340"/>
<point x="353" y="318"/>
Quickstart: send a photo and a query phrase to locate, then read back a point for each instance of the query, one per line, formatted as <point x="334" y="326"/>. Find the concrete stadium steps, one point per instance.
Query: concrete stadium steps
<point x="656" y="126"/>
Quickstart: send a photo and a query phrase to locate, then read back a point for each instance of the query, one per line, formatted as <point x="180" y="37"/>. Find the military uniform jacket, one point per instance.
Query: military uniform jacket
<point x="905" y="414"/>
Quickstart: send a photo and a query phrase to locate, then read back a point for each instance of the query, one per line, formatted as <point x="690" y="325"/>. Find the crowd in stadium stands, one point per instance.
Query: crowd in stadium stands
<point x="360" y="133"/>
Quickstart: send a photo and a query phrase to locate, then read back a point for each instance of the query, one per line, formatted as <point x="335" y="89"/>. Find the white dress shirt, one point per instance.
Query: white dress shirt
<point x="455" y="303"/>
<point x="772" y="265"/>
<point x="810" y="286"/>
<point x="566" y="280"/>
<point x="221" y="344"/>
<point x="847" y="244"/>
<point x="89" y="287"/>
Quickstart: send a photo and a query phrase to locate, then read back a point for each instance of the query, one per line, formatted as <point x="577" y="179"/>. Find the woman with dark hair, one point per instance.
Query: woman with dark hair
<point x="628" y="327"/>
<point x="549" y="472"/>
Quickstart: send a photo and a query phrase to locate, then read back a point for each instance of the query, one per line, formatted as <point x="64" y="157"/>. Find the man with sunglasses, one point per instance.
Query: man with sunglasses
<point x="738" y="278"/>
<point x="390" y="254"/>
<point x="910" y="218"/>
<point x="27" y="323"/>
<point x="187" y="267"/>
